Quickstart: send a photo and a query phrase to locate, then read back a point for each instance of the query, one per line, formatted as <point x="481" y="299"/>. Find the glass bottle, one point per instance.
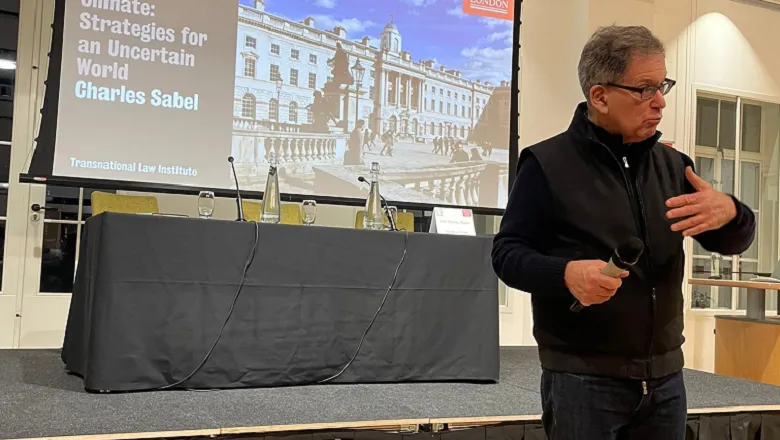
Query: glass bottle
<point x="373" y="217"/>
<point x="272" y="202"/>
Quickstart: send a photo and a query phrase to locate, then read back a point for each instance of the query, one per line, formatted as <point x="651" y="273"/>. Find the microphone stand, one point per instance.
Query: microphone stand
<point x="389" y="216"/>
<point x="239" y="203"/>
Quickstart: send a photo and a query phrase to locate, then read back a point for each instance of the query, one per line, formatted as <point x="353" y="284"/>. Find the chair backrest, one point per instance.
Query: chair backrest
<point x="291" y="212"/>
<point x="404" y="221"/>
<point x="109" y="202"/>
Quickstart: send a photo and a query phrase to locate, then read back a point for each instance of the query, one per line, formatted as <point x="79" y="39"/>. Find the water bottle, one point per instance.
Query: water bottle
<point x="373" y="217"/>
<point x="272" y="202"/>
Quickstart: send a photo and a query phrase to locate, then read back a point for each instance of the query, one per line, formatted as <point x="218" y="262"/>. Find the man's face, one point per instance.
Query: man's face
<point x="625" y="111"/>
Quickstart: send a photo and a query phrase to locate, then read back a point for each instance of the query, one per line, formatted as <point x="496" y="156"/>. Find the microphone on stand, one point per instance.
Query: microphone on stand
<point x="239" y="204"/>
<point x="387" y="209"/>
<point x="623" y="257"/>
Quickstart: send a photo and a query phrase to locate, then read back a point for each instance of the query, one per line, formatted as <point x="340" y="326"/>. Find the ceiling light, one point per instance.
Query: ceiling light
<point x="7" y="65"/>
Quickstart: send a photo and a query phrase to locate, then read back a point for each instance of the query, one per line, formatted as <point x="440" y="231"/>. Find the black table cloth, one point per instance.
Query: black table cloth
<point x="152" y="293"/>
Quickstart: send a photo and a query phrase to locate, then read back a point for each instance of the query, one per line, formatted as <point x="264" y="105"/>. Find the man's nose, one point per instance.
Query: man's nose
<point x="659" y="100"/>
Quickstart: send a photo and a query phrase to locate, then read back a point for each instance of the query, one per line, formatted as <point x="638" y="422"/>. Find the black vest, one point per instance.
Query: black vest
<point x="601" y="199"/>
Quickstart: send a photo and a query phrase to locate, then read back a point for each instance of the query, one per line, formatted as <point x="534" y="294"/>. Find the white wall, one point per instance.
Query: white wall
<point x="720" y="45"/>
<point x="551" y="38"/>
<point x="737" y="46"/>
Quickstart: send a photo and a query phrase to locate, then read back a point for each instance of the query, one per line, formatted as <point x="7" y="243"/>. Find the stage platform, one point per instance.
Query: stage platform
<point x="39" y="400"/>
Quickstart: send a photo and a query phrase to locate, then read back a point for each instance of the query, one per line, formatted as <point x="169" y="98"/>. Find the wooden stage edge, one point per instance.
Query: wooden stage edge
<point x="380" y="425"/>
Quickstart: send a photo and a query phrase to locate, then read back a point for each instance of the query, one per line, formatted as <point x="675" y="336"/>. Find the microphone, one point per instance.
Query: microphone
<point x="238" y="192"/>
<point x="623" y="257"/>
<point x="387" y="209"/>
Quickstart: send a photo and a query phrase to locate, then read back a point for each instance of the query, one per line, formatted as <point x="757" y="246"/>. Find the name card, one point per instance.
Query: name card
<point x="453" y="221"/>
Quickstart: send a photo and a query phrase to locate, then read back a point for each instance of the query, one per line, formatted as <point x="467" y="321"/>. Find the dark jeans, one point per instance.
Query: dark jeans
<point x="578" y="407"/>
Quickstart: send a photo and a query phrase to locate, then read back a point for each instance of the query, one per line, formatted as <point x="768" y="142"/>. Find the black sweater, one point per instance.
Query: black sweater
<point x="528" y="219"/>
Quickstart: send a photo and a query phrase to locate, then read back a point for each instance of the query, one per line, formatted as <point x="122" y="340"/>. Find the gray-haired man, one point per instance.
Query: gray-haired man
<point x="612" y="370"/>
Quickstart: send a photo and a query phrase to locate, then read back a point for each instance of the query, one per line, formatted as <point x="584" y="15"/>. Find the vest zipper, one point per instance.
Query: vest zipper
<point x="641" y="224"/>
<point x="651" y="268"/>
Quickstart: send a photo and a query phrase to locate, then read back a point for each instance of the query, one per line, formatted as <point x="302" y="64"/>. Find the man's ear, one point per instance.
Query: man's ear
<point x="598" y="99"/>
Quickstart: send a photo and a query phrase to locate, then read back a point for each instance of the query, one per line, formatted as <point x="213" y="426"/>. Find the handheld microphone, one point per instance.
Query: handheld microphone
<point x="387" y="209"/>
<point x="239" y="204"/>
<point x="623" y="257"/>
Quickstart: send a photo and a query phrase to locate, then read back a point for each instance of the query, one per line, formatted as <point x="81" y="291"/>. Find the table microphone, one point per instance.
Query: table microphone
<point x="238" y="192"/>
<point x="623" y="257"/>
<point x="387" y="209"/>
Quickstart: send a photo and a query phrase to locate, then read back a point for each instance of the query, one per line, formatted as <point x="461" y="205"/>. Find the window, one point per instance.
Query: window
<point x="249" y="106"/>
<point x="751" y="128"/>
<point x="294" y="77"/>
<point x="273" y="110"/>
<point x="275" y="50"/>
<point x="441" y="107"/>
<point x="295" y="54"/>
<point x="274" y="74"/>
<point x="312" y="80"/>
<point x="744" y="165"/>
<point x="250" y="66"/>
<point x="293" y="116"/>
<point x="313" y="58"/>
<point x="250" y="42"/>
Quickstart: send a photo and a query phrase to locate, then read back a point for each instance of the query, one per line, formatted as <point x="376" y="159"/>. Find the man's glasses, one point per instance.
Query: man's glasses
<point x="648" y="92"/>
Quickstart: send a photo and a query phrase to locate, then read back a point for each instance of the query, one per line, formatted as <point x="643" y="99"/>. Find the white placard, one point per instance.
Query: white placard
<point x="453" y="221"/>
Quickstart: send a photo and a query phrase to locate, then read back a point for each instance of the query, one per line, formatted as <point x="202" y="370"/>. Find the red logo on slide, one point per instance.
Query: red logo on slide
<point x="502" y="9"/>
<point x="466" y="213"/>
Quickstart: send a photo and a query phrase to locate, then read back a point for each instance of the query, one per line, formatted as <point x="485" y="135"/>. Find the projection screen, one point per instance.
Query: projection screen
<point x="162" y="92"/>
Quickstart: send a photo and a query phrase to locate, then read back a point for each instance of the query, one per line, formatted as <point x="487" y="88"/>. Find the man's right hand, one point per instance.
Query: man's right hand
<point x="586" y="282"/>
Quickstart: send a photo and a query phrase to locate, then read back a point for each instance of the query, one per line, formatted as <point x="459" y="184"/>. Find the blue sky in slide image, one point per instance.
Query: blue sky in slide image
<point x="481" y="48"/>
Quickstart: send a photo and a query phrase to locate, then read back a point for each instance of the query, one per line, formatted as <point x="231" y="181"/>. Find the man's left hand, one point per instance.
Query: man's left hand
<point x="706" y="209"/>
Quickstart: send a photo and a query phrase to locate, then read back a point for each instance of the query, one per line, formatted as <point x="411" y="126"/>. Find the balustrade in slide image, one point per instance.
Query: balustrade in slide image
<point x="312" y="163"/>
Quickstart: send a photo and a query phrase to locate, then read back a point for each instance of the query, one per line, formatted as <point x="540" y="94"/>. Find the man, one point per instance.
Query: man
<point x="353" y="155"/>
<point x="613" y="369"/>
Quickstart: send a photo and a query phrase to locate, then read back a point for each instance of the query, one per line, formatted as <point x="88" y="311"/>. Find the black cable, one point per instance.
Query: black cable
<point x="249" y="261"/>
<point x="370" y="324"/>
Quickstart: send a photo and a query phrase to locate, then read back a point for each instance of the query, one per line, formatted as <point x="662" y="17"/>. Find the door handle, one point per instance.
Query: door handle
<point x="38" y="208"/>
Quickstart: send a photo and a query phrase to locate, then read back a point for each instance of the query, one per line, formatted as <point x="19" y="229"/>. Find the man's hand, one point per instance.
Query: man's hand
<point x="706" y="209"/>
<point x="586" y="282"/>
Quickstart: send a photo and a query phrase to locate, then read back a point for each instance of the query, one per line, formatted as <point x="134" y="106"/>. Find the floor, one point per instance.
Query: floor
<point x="39" y="399"/>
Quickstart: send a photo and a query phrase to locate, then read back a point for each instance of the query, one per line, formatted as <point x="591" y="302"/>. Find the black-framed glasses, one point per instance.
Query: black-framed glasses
<point x="648" y="92"/>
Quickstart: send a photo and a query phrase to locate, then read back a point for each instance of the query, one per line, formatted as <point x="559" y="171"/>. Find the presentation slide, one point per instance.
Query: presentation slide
<point x="163" y="91"/>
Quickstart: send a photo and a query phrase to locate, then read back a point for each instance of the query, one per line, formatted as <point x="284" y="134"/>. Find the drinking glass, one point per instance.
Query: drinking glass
<point x="205" y="204"/>
<point x="309" y="212"/>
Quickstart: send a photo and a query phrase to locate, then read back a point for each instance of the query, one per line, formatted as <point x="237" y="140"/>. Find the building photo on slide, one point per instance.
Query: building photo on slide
<point x="325" y="95"/>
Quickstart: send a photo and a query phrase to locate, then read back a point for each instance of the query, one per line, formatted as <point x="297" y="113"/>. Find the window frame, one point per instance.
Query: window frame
<point x="738" y="156"/>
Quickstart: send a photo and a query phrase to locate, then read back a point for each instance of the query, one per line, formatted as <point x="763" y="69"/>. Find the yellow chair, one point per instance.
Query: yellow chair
<point x="109" y="202"/>
<point x="291" y="213"/>
<point x="404" y="221"/>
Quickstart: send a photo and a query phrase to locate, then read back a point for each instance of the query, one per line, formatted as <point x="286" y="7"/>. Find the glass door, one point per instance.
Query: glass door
<point x="25" y="316"/>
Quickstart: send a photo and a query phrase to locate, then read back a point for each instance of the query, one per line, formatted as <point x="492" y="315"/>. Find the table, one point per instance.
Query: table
<point x="745" y="345"/>
<point x="756" y="304"/>
<point x="152" y="292"/>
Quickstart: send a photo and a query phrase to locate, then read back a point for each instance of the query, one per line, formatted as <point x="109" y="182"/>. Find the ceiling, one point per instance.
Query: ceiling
<point x="9" y="28"/>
